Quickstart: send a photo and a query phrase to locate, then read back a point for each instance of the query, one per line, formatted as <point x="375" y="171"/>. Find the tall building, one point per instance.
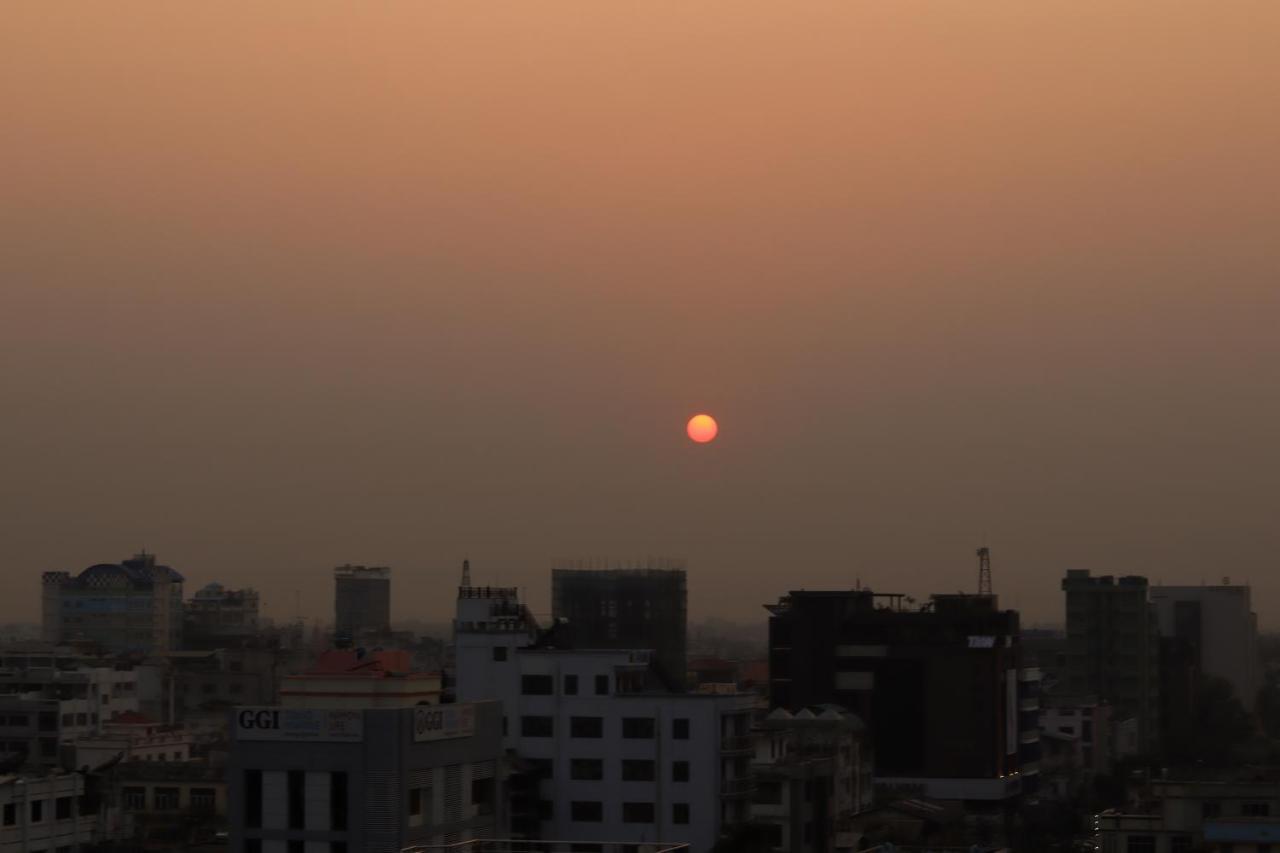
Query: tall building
<point x="613" y="754"/>
<point x="216" y="616"/>
<point x="376" y="780"/>
<point x="626" y="609"/>
<point x="1113" y="648"/>
<point x="131" y="606"/>
<point x="903" y="672"/>
<point x="1217" y="626"/>
<point x="361" y="601"/>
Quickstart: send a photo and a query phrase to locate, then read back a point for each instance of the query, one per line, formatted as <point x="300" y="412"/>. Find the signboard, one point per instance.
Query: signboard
<point x="298" y="724"/>
<point x="441" y="722"/>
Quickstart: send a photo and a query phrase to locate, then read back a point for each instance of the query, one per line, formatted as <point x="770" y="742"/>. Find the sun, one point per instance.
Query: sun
<point x="702" y="428"/>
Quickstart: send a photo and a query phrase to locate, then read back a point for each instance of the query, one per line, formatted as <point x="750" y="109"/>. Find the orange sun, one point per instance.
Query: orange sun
<point x="702" y="428"/>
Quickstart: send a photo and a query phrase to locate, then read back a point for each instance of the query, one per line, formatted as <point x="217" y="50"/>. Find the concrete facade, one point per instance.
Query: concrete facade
<point x="374" y="781"/>
<point x="1219" y="625"/>
<point x="133" y="606"/>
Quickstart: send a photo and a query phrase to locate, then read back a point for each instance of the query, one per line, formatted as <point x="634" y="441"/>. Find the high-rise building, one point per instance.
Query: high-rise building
<point x="1113" y="648"/>
<point x="366" y="780"/>
<point x="626" y="609"/>
<point x="611" y="754"/>
<point x="1217" y="626"/>
<point x="131" y="606"/>
<point x="938" y="685"/>
<point x="361" y="601"/>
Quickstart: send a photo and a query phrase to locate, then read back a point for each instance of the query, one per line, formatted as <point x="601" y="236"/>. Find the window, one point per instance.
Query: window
<point x="37" y="811"/>
<point x="637" y="770"/>
<point x="204" y="800"/>
<point x="499" y="653"/>
<point x="82" y="719"/>
<point x="768" y="793"/>
<point x="337" y="800"/>
<point x="637" y="812"/>
<point x="419" y="806"/>
<point x="586" y="727"/>
<point x="10" y="814"/>
<point x="48" y="721"/>
<point x="679" y="771"/>
<point x="571" y="685"/>
<point x="637" y="727"/>
<point x="1141" y="844"/>
<point x="680" y="728"/>
<point x="537" y="726"/>
<point x="62" y="808"/>
<point x="680" y="813"/>
<point x="68" y="719"/>
<point x="253" y="845"/>
<point x="1180" y="844"/>
<point x="135" y="798"/>
<point x="166" y="799"/>
<point x="297" y="781"/>
<point x="49" y="747"/>
<point x="537" y="685"/>
<point x="586" y="769"/>
<point x="541" y="768"/>
<point x="1255" y="809"/>
<point x="237" y="687"/>
<point x="1210" y="808"/>
<point x="602" y="685"/>
<point x="586" y="811"/>
<point x="482" y="795"/>
<point x="297" y="846"/>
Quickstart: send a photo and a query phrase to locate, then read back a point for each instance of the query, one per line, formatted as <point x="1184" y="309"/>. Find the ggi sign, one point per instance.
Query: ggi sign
<point x="298" y="724"/>
<point x="440" y="722"/>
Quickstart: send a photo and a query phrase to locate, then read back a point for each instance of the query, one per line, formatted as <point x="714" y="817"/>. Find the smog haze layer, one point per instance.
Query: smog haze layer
<point x="293" y="284"/>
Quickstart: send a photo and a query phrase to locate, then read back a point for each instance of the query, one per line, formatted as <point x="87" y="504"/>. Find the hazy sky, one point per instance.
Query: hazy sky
<point x="290" y="284"/>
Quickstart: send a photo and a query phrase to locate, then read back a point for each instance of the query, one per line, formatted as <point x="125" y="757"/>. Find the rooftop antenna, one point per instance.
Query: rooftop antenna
<point x="466" y="573"/>
<point x="984" y="571"/>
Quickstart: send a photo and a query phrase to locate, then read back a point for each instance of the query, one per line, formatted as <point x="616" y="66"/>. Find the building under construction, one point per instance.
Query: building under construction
<point x="640" y="607"/>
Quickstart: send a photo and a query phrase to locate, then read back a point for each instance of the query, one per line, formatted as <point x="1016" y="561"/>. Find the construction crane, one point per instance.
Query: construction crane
<point x="984" y="571"/>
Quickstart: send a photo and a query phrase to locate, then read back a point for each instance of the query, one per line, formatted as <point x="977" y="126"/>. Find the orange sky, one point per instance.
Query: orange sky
<point x="290" y="284"/>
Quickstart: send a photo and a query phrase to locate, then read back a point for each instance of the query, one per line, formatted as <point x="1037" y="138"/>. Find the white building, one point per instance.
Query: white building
<point x="618" y="759"/>
<point x="1219" y="622"/>
<point x="43" y="813"/>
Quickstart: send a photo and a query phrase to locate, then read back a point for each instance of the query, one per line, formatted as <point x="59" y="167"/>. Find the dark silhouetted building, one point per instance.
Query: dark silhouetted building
<point x="131" y="606"/>
<point x="361" y="601"/>
<point x="1113" y="648"/>
<point x="938" y="685"/>
<point x="626" y="609"/>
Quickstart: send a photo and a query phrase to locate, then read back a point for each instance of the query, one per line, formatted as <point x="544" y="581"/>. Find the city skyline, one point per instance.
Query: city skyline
<point x="295" y="285"/>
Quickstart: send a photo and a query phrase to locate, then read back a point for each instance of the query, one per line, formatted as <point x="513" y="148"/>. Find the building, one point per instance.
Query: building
<point x="217" y="616"/>
<point x="1217" y="625"/>
<point x="1113" y="648"/>
<point x="132" y="606"/>
<point x="626" y="609"/>
<point x="361" y="601"/>
<point x="813" y="775"/>
<point x="45" y="813"/>
<point x="901" y="670"/>
<point x="132" y="737"/>
<point x="204" y="684"/>
<point x="171" y="805"/>
<point x="611" y="752"/>
<point x="354" y="678"/>
<point x="374" y="780"/>
<point x="1188" y="811"/>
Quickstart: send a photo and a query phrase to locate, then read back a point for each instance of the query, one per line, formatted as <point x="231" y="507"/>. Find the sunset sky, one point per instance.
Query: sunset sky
<point x="286" y="285"/>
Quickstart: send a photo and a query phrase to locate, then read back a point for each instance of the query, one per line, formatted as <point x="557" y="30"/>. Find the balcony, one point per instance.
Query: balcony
<point x="736" y="743"/>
